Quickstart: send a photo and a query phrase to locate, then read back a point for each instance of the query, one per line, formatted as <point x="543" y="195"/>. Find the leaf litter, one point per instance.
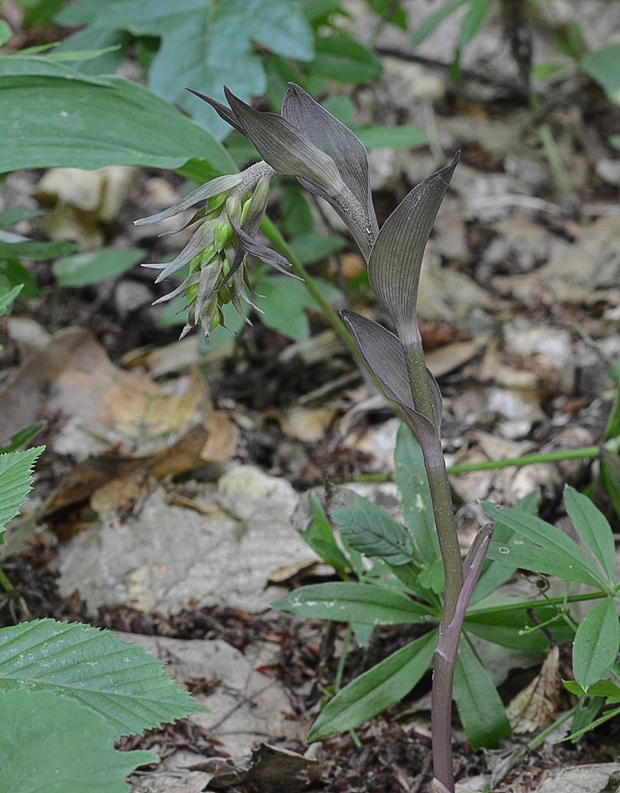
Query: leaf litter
<point x="508" y="279"/>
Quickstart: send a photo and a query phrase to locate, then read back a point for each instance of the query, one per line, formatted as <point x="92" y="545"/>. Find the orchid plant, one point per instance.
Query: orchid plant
<point x="307" y="142"/>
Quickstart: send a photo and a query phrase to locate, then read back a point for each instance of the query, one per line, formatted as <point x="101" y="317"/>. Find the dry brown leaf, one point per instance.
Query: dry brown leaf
<point x="534" y="707"/>
<point x="91" y="475"/>
<point x="307" y="424"/>
<point x="124" y="493"/>
<point x="82" y="201"/>
<point x="446" y="359"/>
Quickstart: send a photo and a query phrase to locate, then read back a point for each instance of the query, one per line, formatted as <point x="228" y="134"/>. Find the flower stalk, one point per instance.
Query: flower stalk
<point x="308" y="143"/>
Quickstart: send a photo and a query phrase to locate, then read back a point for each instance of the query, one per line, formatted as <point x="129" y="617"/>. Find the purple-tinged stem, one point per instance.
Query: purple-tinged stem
<point x="445" y="664"/>
<point x="450" y="625"/>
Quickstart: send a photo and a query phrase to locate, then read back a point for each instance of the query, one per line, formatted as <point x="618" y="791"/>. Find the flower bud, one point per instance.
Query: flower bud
<point x="233" y="209"/>
<point x="224" y="233"/>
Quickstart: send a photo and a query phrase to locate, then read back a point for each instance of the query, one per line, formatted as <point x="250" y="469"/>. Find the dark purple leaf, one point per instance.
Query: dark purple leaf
<point x="396" y="258"/>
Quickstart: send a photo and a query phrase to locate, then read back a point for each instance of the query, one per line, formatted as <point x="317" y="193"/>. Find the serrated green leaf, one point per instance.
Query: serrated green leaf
<point x="367" y="604"/>
<point x="596" y="644"/>
<point x="415" y="496"/>
<point x="593" y="528"/>
<point x="52" y="744"/>
<point x="373" y="532"/>
<point x="15" y="482"/>
<point x="482" y="714"/>
<point x="537" y="545"/>
<point x="52" y="115"/>
<point x="95" y="266"/>
<point x="377" y="689"/>
<point x="119" y="681"/>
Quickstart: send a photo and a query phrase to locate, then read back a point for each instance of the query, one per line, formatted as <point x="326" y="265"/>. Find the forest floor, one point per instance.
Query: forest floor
<point x="181" y="538"/>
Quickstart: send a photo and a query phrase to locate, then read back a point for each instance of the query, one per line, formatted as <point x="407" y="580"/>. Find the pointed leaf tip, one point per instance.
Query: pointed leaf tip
<point x="396" y="258"/>
<point x="223" y="112"/>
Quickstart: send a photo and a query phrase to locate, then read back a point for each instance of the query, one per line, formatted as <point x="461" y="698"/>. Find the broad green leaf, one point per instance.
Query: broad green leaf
<point x="415" y="496"/>
<point x="539" y="546"/>
<point x="377" y="689"/>
<point x="310" y="247"/>
<point x="406" y="137"/>
<point x="10" y="217"/>
<point x="593" y="528"/>
<point x="8" y="297"/>
<point x="285" y="302"/>
<point x="15" y="483"/>
<point x="39" y="251"/>
<point x="341" y="57"/>
<point x="516" y="628"/>
<point x="23" y="437"/>
<point x="54" y="116"/>
<point x="367" y="604"/>
<point x="604" y="66"/>
<point x="615" y="141"/>
<point x="602" y="688"/>
<point x="296" y="213"/>
<point x="119" y="681"/>
<point x="39" y="12"/>
<point x="482" y="714"/>
<point x="94" y="266"/>
<point x="494" y="574"/>
<point x="13" y="273"/>
<point x="320" y="537"/>
<point x="374" y="533"/>
<point x="205" y="45"/>
<point x="54" y="745"/>
<point x="596" y="644"/>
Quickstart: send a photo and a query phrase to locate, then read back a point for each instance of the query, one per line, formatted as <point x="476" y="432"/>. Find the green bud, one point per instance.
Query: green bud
<point x="203" y="258"/>
<point x="233" y="209"/>
<point x="191" y="293"/>
<point x="216" y="319"/>
<point x="223" y="296"/>
<point x="223" y="233"/>
<point x="215" y="204"/>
